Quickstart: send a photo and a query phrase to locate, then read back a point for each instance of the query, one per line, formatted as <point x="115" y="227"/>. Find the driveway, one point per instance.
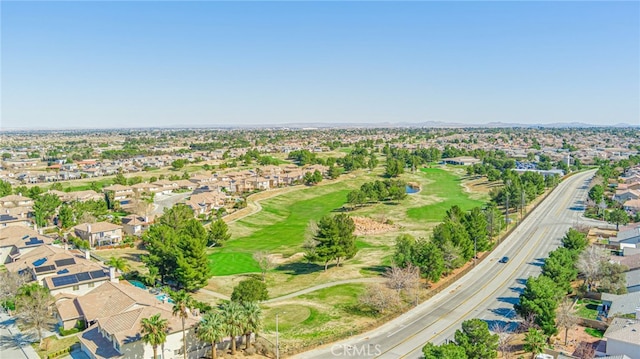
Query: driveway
<point x="167" y="201"/>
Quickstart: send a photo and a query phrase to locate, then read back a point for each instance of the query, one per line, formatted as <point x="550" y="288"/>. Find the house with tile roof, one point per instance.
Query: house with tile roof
<point x="16" y="241"/>
<point x="113" y="313"/>
<point x="100" y="233"/>
<point x="623" y="337"/>
<point x="135" y="225"/>
<point x="63" y="271"/>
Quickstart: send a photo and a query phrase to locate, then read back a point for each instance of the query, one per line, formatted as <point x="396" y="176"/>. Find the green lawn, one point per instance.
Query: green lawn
<point x="587" y="308"/>
<point x="594" y="332"/>
<point x="279" y="227"/>
<point x="447" y="187"/>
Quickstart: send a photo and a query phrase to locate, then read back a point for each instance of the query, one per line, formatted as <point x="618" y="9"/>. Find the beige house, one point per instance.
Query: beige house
<point x="135" y="225"/>
<point x="16" y="241"/>
<point x="100" y="233"/>
<point x="113" y="313"/>
<point x="15" y="200"/>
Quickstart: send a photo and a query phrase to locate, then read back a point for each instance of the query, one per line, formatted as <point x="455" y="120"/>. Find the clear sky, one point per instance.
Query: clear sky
<point x="140" y="64"/>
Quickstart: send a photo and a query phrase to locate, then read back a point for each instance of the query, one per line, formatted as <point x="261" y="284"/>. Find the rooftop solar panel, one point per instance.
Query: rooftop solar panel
<point x="98" y="274"/>
<point x="62" y="271"/>
<point x="65" y="262"/>
<point x="45" y="269"/>
<point x="39" y="262"/>
<point x="34" y="240"/>
<point x="64" y="280"/>
<point x="83" y="276"/>
<point x="25" y="237"/>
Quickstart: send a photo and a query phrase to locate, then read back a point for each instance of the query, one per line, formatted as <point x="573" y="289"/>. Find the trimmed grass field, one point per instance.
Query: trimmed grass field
<point x="279" y="227"/>
<point x="587" y="308"/>
<point x="448" y="190"/>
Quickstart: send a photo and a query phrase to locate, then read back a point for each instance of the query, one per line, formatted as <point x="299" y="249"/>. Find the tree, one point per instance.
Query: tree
<point x="612" y="278"/>
<point x="574" y="240"/>
<point x="232" y="318"/>
<point x="335" y="172"/>
<point x="120" y="179"/>
<point x="10" y="283"/>
<point x="176" y="216"/>
<point x="428" y="257"/>
<point x="5" y="188"/>
<point x="118" y="263"/>
<point x="540" y="298"/>
<point x="211" y="329"/>
<point x="444" y="351"/>
<point x="560" y="267"/>
<point x="394" y="167"/>
<point x="505" y="339"/>
<point x="380" y="298"/>
<point x="590" y="265"/>
<point x="218" y="233"/>
<point x="566" y="319"/>
<point x="476" y="224"/>
<point x="65" y="216"/>
<point x="335" y="239"/>
<point x="252" y="320"/>
<point x="535" y="341"/>
<point x="178" y="164"/>
<point x="182" y="304"/>
<point x="265" y="262"/>
<point x="476" y="340"/>
<point x="44" y="207"/>
<point x="401" y="279"/>
<point x="250" y="290"/>
<point x="596" y="193"/>
<point x="404" y="248"/>
<point x="33" y="305"/>
<point x="618" y="216"/>
<point x="154" y="332"/>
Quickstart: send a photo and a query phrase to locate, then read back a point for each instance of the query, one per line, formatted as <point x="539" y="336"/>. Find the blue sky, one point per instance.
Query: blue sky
<point x="142" y="64"/>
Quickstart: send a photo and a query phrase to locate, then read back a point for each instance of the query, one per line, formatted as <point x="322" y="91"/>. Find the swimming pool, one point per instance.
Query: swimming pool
<point x="137" y="283"/>
<point x="164" y="298"/>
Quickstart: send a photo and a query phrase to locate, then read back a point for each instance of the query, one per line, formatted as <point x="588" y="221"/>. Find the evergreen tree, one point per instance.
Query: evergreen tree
<point x="476" y="224"/>
<point x="477" y="341"/>
<point x="335" y="239"/>
<point x="540" y="299"/>
<point x="574" y="240"/>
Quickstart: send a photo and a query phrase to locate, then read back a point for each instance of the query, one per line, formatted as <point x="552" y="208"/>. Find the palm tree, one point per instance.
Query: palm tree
<point x="211" y="329"/>
<point x="154" y="332"/>
<point x="118" y="263"/>
<point x="252" y="315"/>
<point x="182" y="302"/>
<point x="535" y="341"/>
<point x="232" y="316"/>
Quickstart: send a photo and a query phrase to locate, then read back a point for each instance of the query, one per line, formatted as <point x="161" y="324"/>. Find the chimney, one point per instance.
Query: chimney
<point x="112" y="275"/>
<point x="88" y="228"/>
<point x="87" y="255"/>
<point x="146" y="219"/>
<point x="66" y="246"/>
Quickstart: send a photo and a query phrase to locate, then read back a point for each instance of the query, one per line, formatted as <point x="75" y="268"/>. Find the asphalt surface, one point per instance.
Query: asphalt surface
<point x="487" y="292"/>
<point x="13" y="343"/>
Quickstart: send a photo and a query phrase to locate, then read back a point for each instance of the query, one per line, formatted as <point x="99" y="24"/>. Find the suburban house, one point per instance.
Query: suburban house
<point x="120" y="192"/>
<point x="620" y="304"/>
<point x="628" y="236"/>
<point x="112" y="314"/>
<point x="623" y="337"/>
<point x="135" y="225"/>
<point x="633" y="281"/>
<point x="100" y="233"/>
<point x="626" y="195"/>
<point x="15" y="200"/>
<point x="632" y="206"/>
<point x="15" y="216"/>
<point x="61" y="270"/>
<point x="165" y="187"/>
<point x="16" y="241"/>
<point x="205" y="202"/>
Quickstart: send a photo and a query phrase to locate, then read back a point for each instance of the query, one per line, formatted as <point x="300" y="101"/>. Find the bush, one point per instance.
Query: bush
<point x="76" y="329"/>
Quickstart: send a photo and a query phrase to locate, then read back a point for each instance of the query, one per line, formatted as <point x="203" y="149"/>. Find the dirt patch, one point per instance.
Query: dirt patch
<point x="278" y="258"/>
<point x="367" y="226"/>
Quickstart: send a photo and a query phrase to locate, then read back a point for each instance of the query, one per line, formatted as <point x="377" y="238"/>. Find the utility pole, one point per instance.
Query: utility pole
<point x="506" y="210"/>
<point x="522" y="202"/>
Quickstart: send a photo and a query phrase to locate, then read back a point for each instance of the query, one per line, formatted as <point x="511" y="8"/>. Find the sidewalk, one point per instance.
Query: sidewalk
<point x="14" y="343"/>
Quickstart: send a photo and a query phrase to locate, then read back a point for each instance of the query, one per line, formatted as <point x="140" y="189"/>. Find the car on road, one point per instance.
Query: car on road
<point x="504" y="260"/>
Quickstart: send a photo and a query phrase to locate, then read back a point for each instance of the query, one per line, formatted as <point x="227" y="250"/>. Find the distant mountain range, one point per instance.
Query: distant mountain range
<point x="426" y="124"/>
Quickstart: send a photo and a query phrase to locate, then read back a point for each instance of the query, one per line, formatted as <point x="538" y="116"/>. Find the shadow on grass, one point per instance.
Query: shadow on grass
<point x="380" y="269"/>
<point x="298" y="268"/>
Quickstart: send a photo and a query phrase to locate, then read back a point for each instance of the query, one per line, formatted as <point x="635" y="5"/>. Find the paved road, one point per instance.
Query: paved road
<point x="488" y="291"/>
